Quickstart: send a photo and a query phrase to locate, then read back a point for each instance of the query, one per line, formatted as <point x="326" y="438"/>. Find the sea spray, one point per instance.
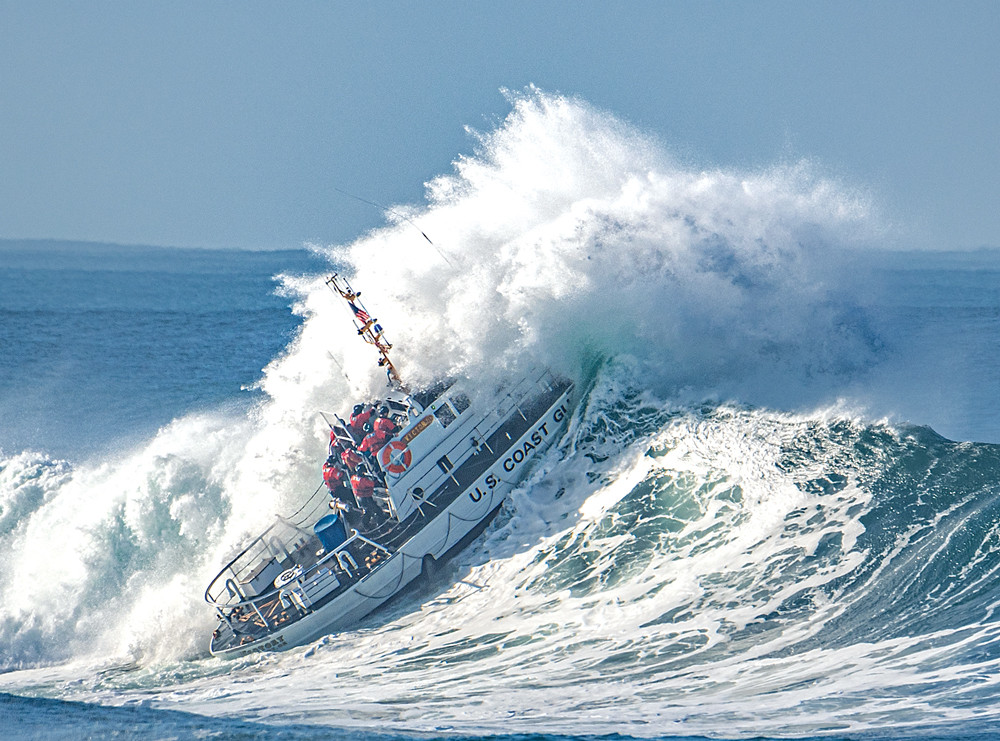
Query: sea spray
<point x="717" y="565"/>
<point x="568" y="232"/>
<point x="687" y="559"/>
<point x="27" y="481"/>
<point x="567" y="236"/>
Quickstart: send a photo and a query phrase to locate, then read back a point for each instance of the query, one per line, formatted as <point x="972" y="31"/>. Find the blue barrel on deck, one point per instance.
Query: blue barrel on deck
<point x="331" y="531"/>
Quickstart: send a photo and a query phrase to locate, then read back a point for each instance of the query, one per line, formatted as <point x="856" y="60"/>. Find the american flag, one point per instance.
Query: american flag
<point x="359" y="313"/>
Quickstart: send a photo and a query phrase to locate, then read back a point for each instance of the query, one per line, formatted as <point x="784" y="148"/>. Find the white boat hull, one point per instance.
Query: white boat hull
<point x="468" y="511"/>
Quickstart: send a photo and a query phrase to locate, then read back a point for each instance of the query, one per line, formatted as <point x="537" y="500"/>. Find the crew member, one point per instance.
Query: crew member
<point x="364" y="487"/>
<point x="334" y="477"/>
<point x="351" y="459"/>
<point x="337" y="437"/>
<point x="384" y="422"/>
<point x="359" y="419"/>
<point x="373" y="441"/>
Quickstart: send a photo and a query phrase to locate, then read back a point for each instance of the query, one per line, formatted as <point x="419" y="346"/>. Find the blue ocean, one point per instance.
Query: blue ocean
<point x="775" y="513"/>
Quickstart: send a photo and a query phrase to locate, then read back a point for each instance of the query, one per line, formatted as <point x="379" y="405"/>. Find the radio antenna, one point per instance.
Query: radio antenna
<point x="399" y="215"/>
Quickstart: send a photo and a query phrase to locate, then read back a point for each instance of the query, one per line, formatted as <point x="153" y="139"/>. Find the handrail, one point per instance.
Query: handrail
<point x="241" y="565"/>
<point x="517" y="395"/>
<point x="291" y="517"/>
<point x="269" y="593"/>
<point x="314" y="504"/>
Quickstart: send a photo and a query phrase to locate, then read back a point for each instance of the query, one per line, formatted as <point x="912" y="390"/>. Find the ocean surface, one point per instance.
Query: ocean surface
<point x="776" y="512"/>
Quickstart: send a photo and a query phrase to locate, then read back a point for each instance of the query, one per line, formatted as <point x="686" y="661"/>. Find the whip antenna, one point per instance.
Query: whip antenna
<point x="404" y="217"/>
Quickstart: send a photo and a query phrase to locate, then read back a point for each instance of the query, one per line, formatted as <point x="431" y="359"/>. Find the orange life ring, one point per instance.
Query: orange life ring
<point x="395" y="464"/>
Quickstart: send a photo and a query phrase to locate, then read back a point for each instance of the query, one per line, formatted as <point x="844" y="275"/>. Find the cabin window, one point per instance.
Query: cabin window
<point x="445" y="415"/>
<point x="424" y="398"/>
<point x="461" y="402"/>
<point x="445" y="463"/>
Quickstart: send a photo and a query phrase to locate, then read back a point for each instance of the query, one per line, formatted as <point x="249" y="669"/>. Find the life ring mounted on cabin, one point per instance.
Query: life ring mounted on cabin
<point x="395" y="457"/>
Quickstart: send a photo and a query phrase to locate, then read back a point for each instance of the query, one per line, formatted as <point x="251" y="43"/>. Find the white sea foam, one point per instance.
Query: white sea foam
<point x="669" y="566"/>
<point x="568" y="234"/>
<point x="567" y="237"/>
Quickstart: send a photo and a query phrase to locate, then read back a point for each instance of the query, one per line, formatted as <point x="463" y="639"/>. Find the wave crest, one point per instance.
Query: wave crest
<point x="570" y="234"/>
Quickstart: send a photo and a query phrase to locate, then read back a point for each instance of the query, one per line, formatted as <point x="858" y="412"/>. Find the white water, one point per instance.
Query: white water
<point x="569" y="233"/>
<point x="567" y="237"/>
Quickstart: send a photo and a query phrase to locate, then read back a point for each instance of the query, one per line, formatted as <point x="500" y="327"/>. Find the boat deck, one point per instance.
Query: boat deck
<point x="285" y="574"/>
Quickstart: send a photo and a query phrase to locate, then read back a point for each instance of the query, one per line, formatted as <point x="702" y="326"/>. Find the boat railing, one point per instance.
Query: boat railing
<point x="268" y="552"/>
<point x="305" y="515"/>
<point x="514" y="399"/>
<point x="343" y="556"/>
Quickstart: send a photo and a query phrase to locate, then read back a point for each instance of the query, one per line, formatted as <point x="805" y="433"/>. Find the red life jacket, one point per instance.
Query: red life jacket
<point x="384" y="424"/>
<point x="351" y="459"/>
<point x="363" y="486"/>
<point x="358" y="420"/>
<point x="332" y="476"/>
<point x="373" y="442"/>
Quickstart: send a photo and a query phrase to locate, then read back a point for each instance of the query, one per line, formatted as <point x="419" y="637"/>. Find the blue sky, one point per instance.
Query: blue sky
<point x="233" y="123"/>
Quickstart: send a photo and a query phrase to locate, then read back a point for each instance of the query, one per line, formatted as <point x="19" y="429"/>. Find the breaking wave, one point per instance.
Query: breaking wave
<point x="718" y="543"/>
<point x="569" y="235"/>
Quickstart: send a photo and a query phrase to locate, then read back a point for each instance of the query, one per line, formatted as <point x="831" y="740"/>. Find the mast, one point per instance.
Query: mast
<point x="368" y="327"/>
